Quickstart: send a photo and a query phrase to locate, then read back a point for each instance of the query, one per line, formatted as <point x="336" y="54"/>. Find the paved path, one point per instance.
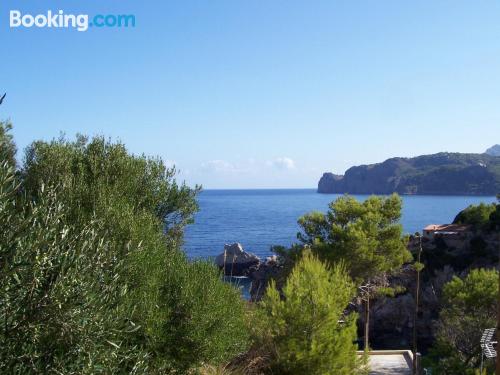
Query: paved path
<point x="389" y="364"/>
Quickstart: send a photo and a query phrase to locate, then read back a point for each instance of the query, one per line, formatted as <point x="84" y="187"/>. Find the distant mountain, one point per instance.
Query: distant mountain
<point x="493" y="150"/>
<point x="441" y="174"/>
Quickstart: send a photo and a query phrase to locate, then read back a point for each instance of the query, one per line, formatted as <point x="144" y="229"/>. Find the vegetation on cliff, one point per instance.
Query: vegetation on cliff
<point x="482" y="217"/>
<point x="469" y="307"/>
<point x="440" y="174"/>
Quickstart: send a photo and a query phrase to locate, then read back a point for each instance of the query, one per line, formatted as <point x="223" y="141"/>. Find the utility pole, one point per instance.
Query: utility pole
<point x="417" y="295"/>
<point x="367" y="322"/>
<point x="365" y="289"/>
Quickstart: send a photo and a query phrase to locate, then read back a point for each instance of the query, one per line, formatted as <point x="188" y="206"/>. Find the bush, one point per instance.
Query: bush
<point x="307" y="328"/>
<point x="476" y="215"/>
<point x="93" y="279"/>
<point x="469" y="307"/>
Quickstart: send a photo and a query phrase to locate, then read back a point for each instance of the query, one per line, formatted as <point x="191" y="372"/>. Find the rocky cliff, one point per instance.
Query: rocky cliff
<point x="494" y="150"/>
<point x="441" y="174"/>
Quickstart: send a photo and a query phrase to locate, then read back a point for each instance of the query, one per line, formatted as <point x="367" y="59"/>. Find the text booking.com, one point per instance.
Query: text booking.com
<point x="80" y="22"/>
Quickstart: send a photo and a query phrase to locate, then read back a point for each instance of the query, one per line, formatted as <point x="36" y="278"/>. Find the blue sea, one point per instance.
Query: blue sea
<point x="259" y="219"/>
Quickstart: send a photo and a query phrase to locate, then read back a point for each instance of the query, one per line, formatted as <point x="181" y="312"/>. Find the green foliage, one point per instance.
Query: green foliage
<point x="205" y="317"/>
<point x="476" y="215"/>
<point x="495" y="216"/>
<point x="50" y="300"/>
<point x="7" y="146"/>
<point x="469" y="307"/>
<point x="93" y="279"/>
<point x="97" y="174"/>
<point x="308" y="329"/>
<point x="418" y="266"/>
<point x="366" y="236"/>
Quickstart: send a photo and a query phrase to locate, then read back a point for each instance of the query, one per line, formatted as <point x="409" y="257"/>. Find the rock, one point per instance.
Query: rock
<point x="330" y="183"/>
<point x="442" y="173"/>
<point x="235" y="261"/>
<point x="269" y="270"/>
<point x="493" y="150"/>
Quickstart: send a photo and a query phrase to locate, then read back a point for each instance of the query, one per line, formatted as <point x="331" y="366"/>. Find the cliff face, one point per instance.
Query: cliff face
<point x="443" y="173"/>
<point x="494" y="150"/>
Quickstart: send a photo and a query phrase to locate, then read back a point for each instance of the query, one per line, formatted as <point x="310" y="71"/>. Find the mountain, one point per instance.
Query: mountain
<point x="493" y="150"/>
<point x="440" y="174"/>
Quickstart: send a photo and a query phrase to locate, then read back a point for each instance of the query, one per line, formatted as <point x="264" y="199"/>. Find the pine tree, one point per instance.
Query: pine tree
<point x="308" y="327"/>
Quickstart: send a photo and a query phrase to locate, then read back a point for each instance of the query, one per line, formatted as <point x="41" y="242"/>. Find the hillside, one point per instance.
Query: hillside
<point x="440" y="174"/>
<point x="494" y="150"/>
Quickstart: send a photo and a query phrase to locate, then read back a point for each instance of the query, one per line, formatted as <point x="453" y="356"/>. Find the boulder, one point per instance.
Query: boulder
<point x="260" y="275"/>
<point x="235" y="261"/>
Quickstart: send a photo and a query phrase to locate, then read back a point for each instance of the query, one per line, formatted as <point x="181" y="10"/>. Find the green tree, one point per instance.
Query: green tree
<point x="469" y="307"/>
<point x="476" y="215"/>
<point x="366" y="236"/>
<point x="495" y="216"/>
<point x="7" y="146"/>
<point x="309" y="331"/>
<point x="96" y="175"/>
<point x="50" y="294"/>
<point x="93" y="277"/>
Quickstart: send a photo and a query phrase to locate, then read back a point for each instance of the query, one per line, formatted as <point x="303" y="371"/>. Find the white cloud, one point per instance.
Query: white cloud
<point x="218" y="166"/>
<point x="283" y="163"/>
<point x="246" y="167"/>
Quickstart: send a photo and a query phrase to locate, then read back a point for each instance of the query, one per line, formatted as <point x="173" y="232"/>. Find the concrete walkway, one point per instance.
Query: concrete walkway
<point x="390" y="362"/>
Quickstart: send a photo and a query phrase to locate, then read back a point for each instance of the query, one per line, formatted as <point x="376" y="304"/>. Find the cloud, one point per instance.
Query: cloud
<point x="218" y="166"/>
<point x="283" y="163"/>
<point x="247" y="167"/>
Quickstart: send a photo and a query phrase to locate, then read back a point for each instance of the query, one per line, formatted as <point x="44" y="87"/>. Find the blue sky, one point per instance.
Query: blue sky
<point x="259" y="94"/>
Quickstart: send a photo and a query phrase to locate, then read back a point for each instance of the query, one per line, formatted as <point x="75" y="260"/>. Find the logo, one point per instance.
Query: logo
<point x="61" y="20"/>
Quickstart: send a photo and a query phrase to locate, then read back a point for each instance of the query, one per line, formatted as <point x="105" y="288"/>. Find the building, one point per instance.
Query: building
<point x="455" y="236"/>
<point x="447" y="230"/>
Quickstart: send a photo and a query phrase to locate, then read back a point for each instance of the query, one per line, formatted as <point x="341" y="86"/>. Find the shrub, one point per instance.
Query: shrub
<point x="307" y="328"/>
<point x="93" y="278"/>
<point x="476" y="215"/>
<point x="469" y="307"/>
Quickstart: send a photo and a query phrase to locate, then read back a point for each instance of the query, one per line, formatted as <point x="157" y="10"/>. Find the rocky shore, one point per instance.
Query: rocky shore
<point x="391" y="317"/>
<point x="235" y="261"/>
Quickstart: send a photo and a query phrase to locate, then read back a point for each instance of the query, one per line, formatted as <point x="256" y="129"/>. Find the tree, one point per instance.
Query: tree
<point x="96" y="176"/>
<point x="308" y="327"/>
<point x="93" y="277"/>
<point x="476" y="215"/>
<point x="366" y="236"/>
<point x="51" y="294"/>
<point x="7" y="146"/>
<point x="495" y="216"/>
<point x="469" y="307"/>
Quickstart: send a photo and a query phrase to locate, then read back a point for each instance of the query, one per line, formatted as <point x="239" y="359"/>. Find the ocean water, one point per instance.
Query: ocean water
<point x="259" y="219"/>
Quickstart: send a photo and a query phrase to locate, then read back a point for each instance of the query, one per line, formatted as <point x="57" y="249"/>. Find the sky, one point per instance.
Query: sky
<point x="261" y="93"/>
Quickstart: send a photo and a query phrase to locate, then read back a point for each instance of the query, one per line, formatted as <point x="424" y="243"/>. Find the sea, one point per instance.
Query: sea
<point x="259" y="219"/>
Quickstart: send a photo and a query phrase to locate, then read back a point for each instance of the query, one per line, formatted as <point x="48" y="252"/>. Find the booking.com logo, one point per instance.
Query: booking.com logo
<point x="80" y="22"/>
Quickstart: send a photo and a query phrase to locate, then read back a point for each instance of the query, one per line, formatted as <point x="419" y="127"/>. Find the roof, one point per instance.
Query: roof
<point x="447" y="228"/>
